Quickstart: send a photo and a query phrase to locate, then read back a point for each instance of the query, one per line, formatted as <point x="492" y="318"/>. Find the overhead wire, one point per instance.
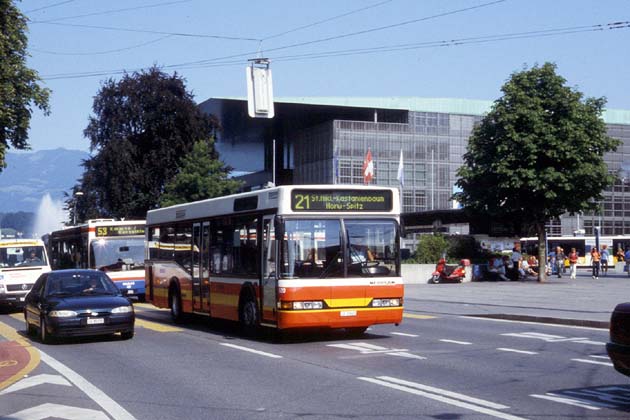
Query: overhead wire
<point x="49" y="6"/>
<point x="111" y="11"/>
<point x="385" y="48"/>
<point x="130" y="47"/>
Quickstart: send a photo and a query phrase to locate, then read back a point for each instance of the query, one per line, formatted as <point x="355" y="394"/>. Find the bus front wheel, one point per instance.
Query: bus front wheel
<point x="176" y="305"/>
<point x="248" y="315"/>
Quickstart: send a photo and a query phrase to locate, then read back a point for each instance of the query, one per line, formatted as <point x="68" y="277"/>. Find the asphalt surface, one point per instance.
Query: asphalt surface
<point x="584" y="301"/>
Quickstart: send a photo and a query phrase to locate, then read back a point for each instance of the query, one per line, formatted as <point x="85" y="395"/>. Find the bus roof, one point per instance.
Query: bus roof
<point x="280" y="199"/>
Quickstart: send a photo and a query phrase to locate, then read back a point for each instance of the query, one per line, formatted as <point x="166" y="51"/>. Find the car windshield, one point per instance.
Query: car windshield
<point x="120" y="254"/>
<point x="79" y="283"/>
<point x="23" y="256"/>
<point x="313" y="248"/>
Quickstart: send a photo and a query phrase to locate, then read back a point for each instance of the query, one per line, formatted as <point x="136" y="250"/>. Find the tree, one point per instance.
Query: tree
<point x="537" y="154"/>
<point x="201" y="175"/>
<point x="431" y="248"/>
<point x="19" y="88"/>
<point x="141" y="128"/>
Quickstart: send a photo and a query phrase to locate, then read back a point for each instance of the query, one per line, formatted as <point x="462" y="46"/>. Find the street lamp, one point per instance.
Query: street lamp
<point x="77" y="194"/>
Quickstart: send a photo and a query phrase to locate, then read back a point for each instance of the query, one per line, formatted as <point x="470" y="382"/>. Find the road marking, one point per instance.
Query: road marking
<point x="18" y="316"/>
<point x="143" y="307"/>
<point x="593" y="362"/>
<point x="595" y="343"/>
<point x="572" y="401"/>
<point x="404" y="334"/>
<point x="366" y="348"/>
<point x="464" y="343"/>
<point x="579" y="327"/>
<point x="414" y="316"/>
<point x="448" y="397"/>
<point x="156" y="326"/>
<point x="599" y="357"/>
<point x="550" y="338"/>
<point x="48" y="410"/>
<point x="36" y="380"/>
<point x="517" y="351"/>
<point x="262" y="353"/>
<point x="98" y="396"/>
<point x="12" y="335"/>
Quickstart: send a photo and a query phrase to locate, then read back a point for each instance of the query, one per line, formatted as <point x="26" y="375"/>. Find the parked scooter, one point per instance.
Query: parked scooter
<point x="449" y="273"/>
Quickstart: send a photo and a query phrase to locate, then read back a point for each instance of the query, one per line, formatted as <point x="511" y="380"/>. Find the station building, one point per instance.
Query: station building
<point x="319" y="140"/>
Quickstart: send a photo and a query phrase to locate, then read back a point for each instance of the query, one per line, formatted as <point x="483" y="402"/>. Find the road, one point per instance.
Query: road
<point x="431" y="366"/>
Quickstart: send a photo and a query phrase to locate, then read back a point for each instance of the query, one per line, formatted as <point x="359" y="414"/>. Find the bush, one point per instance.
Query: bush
<point x="431" y="248"/>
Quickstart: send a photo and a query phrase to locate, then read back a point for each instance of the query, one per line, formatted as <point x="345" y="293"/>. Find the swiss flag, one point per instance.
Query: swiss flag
<point x="368" y="167"/>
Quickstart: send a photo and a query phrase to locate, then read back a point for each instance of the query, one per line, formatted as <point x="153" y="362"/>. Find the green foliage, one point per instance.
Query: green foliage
<point x="19" y="88"/>
<point x="538" y="153"/>
<point x="430" y="248"/>
<point x="143" y="125"/>
<point x="200" y="176"/>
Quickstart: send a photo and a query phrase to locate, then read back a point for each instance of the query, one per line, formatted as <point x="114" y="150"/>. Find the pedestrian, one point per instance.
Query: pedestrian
<point x="604" y="260"/>
<point x="595" y="260"/>
<point x="627" y="257"/>
<point x="573" y="260"/>
<point x="559" y="261"/>
<point x="620" y="255"/>
<point x="516" y="259"/>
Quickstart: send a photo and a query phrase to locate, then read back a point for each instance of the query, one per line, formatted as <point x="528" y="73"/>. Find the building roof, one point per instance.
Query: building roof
<point x="444" y="105"/>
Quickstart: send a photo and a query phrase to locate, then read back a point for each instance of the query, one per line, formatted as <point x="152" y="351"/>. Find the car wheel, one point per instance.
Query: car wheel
<point x="176" y="306"/>
<point x="248" y="315"/>
<point x="127" y="335"/>
<point x="44" y="337"/>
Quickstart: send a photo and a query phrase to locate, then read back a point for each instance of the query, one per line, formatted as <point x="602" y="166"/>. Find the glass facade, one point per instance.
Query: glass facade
<point x="433" y="146"/>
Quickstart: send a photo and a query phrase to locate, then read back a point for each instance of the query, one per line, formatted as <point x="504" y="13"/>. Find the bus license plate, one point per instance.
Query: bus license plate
<point x="348" y="313"/>
<point x="96" y="321"/>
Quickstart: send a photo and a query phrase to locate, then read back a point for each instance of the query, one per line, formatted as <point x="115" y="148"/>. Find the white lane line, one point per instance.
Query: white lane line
<point x="595" y="343"/>
<point x="599" y="357"/>
<point x="110" y="406"/>
<point x="458" y="403"/>
<point x="590" y="405"/>
<point x="262" y="353"/>
<point x="593" y="362"/>
<point x="48" y="410"/>
<point x="578" y="327"/>
<point x="405" y="354"/>
<point x="516" y="351"/>
<point x="404" y="334"/>
<point x="34" y="381"/>
<point x="464" y="343"/>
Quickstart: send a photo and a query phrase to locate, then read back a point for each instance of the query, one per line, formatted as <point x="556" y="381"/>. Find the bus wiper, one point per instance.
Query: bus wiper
<point x="333" y="262"/>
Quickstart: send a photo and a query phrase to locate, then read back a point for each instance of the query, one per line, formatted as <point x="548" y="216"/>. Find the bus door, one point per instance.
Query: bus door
<point x="269" y="278"/>
<point x="201" y="267"/>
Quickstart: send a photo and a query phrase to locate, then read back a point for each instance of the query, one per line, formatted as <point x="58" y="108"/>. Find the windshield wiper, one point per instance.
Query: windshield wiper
<point x="60" y="294"/>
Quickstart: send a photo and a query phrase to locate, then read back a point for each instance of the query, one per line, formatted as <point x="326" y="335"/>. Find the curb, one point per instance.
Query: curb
<point x="546" y="320"/>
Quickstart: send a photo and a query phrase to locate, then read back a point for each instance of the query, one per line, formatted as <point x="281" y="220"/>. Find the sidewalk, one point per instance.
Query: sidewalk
<point x="584" y="301"/>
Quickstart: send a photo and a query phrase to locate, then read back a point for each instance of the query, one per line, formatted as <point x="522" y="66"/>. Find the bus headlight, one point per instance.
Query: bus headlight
<point x="122" y="310"/>
<point x="379" y="303"/>
<point x="301" y="305"/>
<point x="62" y="314"/>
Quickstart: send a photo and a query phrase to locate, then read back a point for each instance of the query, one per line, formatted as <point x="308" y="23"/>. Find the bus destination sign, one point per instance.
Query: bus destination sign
<point x="341" y="200"/>
<point x="128" y="230"/>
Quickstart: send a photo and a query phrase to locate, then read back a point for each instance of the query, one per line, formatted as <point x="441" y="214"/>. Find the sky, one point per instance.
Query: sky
<point x="358" y="48"/>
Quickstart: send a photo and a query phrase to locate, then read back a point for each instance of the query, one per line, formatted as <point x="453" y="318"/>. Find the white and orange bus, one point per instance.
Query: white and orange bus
<point x="286" y="257"/>
<point x="113" y="246"/>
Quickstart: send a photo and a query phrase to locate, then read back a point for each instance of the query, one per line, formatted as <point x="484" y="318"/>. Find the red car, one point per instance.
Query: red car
<point x="619" y="346"/>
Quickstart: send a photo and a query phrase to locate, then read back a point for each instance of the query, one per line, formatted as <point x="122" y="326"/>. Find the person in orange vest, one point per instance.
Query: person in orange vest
<point x="595" y="258"/>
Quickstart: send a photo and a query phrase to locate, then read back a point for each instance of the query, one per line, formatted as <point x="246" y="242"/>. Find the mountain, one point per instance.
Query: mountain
<point x="29" y="176"/>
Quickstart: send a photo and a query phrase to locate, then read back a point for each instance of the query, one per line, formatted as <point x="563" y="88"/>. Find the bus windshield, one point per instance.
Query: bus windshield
<point x="118" y="254"/>
<point x="312" y="248"/>
<point x="22" y="256"/>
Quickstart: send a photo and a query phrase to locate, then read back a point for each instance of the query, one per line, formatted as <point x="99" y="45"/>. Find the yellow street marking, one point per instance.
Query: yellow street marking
<point x="156" y="326"/>
<point x="12" y="335"/>
<point x="140" y="307"/>
<point x="19" y="317"/>
<point x="418" y="316"/>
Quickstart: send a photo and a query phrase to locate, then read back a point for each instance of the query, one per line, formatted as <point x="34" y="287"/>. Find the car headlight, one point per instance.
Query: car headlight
<point x="62" y="314"/>
<point x="379" y="303"/>
<point x="315" y="304"/>
<point x="122" y="310"/>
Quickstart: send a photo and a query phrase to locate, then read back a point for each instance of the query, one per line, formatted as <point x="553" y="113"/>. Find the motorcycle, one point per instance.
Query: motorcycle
<point x="449" y="273"/>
